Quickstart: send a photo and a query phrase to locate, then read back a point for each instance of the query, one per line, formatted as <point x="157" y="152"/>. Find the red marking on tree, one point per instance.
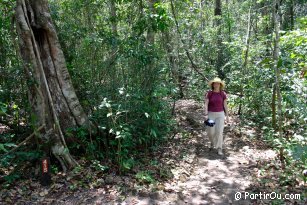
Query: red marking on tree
<point x="45" y="165"/>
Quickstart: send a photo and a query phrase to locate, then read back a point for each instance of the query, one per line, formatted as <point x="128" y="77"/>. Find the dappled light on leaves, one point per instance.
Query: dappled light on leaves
<point x="112" y="92"/>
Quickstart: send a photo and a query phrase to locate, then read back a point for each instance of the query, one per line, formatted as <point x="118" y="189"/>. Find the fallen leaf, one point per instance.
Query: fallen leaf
<point x="43" y="193"/>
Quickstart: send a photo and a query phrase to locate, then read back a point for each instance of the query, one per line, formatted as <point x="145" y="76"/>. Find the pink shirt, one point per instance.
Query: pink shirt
<point x="216" y="101"/>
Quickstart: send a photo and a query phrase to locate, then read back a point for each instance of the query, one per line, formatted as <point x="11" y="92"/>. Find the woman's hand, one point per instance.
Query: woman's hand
<point x="227" y="119"/>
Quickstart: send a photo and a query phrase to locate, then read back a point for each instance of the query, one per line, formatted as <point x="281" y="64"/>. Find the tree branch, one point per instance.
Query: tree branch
<point x="194" y="66"/>
<point x="26" y="140"/>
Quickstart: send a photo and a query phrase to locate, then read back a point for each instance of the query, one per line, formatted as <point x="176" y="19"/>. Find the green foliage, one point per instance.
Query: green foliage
<point x="134" y="122"/>
<point x="12" y="177"/>
<point x="256" y="81"/>
<point x="13" y="98"/>
<point x="121" y="77"/>
<point x="6" y="145"/>
<point x="145" y="177"/>
<point x="128" y="164"/>
<point x="126" y="73"/>
<point x="81" y="142"/>
<point x="3" y="108"/>
<point x="302" y="22"/>
<point x="12" y="162"/>
<point x="99" y="167"/>
<point x="295" y="153"/>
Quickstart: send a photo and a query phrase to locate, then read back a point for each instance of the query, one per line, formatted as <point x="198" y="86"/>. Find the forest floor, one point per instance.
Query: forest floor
<point x="182" y="171"/>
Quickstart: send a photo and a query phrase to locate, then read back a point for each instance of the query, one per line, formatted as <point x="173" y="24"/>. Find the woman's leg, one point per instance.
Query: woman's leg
<point x="219" y="128"/>
<point x="211" y="131"/>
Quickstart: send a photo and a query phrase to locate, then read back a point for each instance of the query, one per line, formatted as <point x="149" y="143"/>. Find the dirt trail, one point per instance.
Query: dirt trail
<point x="198" y="175"/>
<point x="212" y="179"/>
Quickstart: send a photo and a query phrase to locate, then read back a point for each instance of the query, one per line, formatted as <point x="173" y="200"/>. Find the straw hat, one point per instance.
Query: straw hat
<point x="217" y="80"/>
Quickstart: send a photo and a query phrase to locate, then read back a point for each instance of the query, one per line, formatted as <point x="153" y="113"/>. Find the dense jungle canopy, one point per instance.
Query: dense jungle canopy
<point x="103" y="84"/>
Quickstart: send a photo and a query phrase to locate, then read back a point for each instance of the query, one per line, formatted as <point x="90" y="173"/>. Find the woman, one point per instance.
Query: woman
<point x="216" y="109"/>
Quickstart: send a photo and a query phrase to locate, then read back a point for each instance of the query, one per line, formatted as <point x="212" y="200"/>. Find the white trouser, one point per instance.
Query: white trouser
<point x="215" y="133"/>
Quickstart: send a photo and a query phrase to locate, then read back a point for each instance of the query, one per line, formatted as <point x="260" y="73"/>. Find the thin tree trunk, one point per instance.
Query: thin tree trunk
<point x="202" y="21"/>
<point x="193" y="64"/>
<point x="113" y="15"/>
<point x="218" y="8"/>
<point x="113" y="57"/>
<point x="276" y="17"/>
<point x="276" y="20"/>
<point x="247" y="41"/>
<point x="287" y="16"/>
<point x="173" y="60"/>
<point x="273" y="105"/>
<point x="292" y="15"/>
<point x="88" y="15"/>
<point x="150" y="31"/>
<point x="245" y="62"/>
<point x="51" y="93"/>
<point x="228" y="22"/>
<point x="150" y="41"/>
<point x="218" y="23"/>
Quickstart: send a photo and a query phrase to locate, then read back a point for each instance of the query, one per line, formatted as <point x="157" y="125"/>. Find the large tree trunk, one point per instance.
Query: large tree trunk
<point x="51" y="94"/>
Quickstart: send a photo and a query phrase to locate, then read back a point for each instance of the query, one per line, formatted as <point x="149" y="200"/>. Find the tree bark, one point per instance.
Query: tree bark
<point x="193" y="64"/>
<point x="245" y="62"/>
<point x="276" y="20"/>
<point x="150" y="43"/>
<point x="218" y="22"/>
<point x="273" y="105"/>
<point x="287" y="16"/>
<point x="218" y="8"/>
<point x="113" y="15"/>
<point x="51" y="94"/>
<point x="229" y="24"/>
<point x="173" y="60"/>
<point x="292" y="15"/>
<point x="113" y="57"/>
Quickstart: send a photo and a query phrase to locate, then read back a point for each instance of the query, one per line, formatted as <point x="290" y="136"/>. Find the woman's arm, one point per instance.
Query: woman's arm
<point x="206" y="105"/>
<point x="226" y="110"/>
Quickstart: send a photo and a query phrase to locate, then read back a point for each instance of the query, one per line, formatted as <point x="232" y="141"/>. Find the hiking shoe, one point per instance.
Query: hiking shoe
<point x="220" y="152"/>
<point x="211" y="147"/>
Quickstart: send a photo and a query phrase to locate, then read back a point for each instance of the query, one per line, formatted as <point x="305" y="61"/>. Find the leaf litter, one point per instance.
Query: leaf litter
<point x="182" y="171"/>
